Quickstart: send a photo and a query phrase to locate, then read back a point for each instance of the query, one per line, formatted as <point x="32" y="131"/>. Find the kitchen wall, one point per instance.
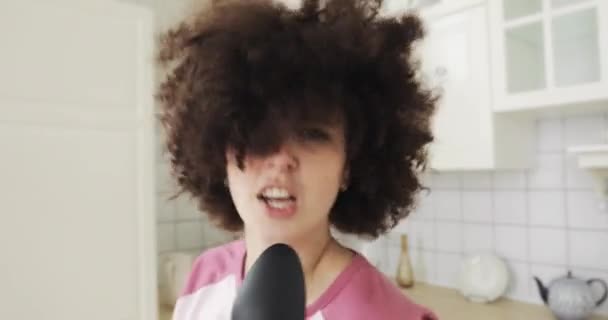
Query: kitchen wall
<point x="181" y="226"/>
<point x="543" y="221"/>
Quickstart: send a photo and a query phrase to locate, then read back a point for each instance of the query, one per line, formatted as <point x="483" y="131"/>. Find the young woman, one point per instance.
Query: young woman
<point x="286" y="123"/>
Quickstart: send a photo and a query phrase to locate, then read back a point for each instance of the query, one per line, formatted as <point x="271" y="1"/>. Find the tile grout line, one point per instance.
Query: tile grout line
<point x="174" y="214"/>
<point x="432" y="276"/>
<point x="461" y="222"/>
<point x="493" y="210"/>
<point x="522" y="225"/>
<point x="527" y="263"/>
<point x="565" y="183"/>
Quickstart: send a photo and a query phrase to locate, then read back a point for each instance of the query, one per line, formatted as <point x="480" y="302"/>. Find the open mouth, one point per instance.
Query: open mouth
<point x="278" y="198"/>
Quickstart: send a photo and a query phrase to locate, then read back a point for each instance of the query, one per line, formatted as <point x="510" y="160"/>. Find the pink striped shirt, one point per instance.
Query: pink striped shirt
<point x="360" y="292"/>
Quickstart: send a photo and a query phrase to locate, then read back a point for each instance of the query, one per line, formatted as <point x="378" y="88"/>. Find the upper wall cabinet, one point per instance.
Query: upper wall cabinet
<point x="468" y="135"/>
<point x="549" y="54"/>
<point x="455" y="60"/>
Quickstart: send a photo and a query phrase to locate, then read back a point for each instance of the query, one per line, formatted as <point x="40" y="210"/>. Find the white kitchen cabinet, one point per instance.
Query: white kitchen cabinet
<point x="549" y="54"/>
<point x="455" y="59"/>
<point x="77" y="174"/>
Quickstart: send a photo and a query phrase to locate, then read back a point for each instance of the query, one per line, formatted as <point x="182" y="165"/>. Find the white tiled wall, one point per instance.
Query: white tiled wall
<point x="181" y="226"/>
<point x="542" y="221"/>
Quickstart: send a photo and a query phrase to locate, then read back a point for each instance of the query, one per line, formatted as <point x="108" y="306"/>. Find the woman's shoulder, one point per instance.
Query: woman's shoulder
<point x="214" y="265"/>
<point x="370" y="294"/>
<point x="211" y="284"/>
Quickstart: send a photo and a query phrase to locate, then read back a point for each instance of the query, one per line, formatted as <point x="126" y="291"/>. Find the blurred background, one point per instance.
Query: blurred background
<point x="518" y="171"/>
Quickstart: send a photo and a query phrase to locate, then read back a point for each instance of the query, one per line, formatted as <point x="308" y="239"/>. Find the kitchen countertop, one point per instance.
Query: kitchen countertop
<point x="449" y="304"/>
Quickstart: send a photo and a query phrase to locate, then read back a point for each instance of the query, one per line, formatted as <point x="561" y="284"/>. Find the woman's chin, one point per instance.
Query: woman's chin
<point x="280" y="232"/>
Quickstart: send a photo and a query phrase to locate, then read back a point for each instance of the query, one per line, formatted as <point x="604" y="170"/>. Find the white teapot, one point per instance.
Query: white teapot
<point x="570" y="298"/>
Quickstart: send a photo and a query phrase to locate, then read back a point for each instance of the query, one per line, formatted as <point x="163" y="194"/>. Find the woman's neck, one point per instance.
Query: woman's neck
<point x="321" y="256"/>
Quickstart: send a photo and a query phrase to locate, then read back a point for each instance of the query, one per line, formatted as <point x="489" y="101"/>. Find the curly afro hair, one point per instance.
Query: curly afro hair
<point x="243" y="74"/>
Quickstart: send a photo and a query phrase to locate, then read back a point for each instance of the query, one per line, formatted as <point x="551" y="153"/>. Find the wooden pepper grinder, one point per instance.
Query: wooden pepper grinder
<point x="405" y="277"/>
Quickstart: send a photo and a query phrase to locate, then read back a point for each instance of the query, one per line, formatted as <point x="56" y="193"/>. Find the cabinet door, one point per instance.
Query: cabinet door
<point x="549" y="54"/>
<point x="455" y="59"/>
<point x="76" y="183"/>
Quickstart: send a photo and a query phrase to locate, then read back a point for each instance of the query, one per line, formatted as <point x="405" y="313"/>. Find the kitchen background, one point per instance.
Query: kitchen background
<point x="543" y="220"/>
<point x="88" y="230"/>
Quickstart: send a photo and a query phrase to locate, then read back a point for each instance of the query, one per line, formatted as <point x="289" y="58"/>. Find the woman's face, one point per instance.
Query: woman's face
<point x="287" y="195"/>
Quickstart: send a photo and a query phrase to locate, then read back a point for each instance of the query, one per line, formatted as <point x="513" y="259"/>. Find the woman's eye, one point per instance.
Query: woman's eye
<point x="314" y="135"/>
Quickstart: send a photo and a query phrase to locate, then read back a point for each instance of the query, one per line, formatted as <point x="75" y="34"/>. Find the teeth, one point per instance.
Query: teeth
<point x="279" y="204"/>
<point x="276" y="193"/>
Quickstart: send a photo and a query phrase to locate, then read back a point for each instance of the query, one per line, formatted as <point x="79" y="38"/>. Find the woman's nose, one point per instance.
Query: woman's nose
<point x="283" y="159"/>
